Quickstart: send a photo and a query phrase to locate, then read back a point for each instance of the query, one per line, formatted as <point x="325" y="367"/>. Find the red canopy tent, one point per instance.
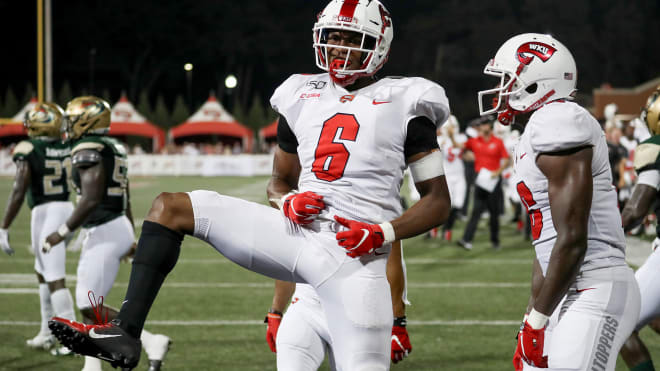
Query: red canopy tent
<point x="269" y="132"/>
<point x="212" y="119"/>
<point x="125" y="120"/>
<point x="14" y="126"/>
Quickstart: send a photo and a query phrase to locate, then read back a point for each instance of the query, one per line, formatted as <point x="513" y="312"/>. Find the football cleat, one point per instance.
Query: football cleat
<point x="106" y="341"/>
<point x="41" y="341"/>
<point x="61" y="351"/>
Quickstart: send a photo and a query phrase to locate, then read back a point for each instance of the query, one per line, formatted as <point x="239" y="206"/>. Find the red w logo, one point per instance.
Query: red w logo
<point x="541" y="50"/>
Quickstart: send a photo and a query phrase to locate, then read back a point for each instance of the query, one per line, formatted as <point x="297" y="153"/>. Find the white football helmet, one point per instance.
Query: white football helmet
<point x="534" y="69"/>
<point x="367" y="17"/>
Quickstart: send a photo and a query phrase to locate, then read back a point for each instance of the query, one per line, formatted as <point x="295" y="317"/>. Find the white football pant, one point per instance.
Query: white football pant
<point x="103" y="248"/>
<point x="648" y="279"/>
<point x="46" y="218"/>
<point x="589" y="327"/>
<point x="354" y="293"/>
<point x="303" y="338"/>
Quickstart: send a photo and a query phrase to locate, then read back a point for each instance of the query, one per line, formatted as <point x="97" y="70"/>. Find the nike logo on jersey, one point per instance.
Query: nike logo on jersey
<point x="591" y="288"/>
<point x="364" y="237"/>
<point x="523" y="155"/>
<point x="377" y="102"/>
<point x="94" y="335"/>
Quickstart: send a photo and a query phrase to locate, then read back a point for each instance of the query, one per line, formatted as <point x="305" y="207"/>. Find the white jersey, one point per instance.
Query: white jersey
<point x="351" y="144"/>
<point x="559" y="126"/>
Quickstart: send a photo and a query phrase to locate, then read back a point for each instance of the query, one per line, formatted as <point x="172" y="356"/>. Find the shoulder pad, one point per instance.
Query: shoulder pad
<point x="95" y="146"/>
<point x="23" y="148"/>
<point x="559" y="127"/>
<point x="646" y="154"/>
<point x="85" y="158"/>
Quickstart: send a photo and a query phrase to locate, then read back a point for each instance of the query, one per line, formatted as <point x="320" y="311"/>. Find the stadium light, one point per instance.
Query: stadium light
<point x="188" y="66"/>
<point x="231" y="82"/>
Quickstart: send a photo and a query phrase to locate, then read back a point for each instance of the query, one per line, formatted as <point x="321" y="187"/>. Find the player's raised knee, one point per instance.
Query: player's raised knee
<point x="173" y="210"/>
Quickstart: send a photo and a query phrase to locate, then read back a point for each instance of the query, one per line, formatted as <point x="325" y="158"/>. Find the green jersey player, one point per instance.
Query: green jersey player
<point x="42" y="166"/>
<point x="99" y="175"/>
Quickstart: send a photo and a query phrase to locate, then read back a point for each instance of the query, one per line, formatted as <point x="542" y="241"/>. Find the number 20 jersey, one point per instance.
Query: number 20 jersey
<point x="351" y="144"/>
<point x="555" y="127"/>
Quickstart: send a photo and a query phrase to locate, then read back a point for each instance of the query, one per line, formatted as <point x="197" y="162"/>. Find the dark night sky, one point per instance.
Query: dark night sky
<point x="141" y="46"/>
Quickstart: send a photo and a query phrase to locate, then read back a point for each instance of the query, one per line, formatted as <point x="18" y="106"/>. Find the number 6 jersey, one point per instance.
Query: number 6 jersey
<point x="351" y="144"/>
<point x="555" y="127"/>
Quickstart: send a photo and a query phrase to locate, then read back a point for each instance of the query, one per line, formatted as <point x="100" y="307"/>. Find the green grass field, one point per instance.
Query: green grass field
<point x="466" y="305"/>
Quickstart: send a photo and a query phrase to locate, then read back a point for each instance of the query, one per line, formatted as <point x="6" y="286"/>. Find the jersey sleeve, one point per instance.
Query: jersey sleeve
<point x="22" y="150"/>
<point x="647" y="157"/>
<point x="283" y="99"/>
<point x="556" y="130"/>
<point x="431" y="101"/>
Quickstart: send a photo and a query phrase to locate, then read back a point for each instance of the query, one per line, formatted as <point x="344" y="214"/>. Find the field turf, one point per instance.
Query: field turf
<point x="466" y="305"/>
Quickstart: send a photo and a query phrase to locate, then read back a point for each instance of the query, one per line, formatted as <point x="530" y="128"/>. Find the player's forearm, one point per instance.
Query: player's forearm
<point x="283" y="292"/>
<point x="83" y="209"/>
<point x="430" y="211"/>
<point x="537" y="283"/>
<point x="565" y="261"/>
<point x="14" y="204"/>
<point x="277" y="187"/>
<point x="396" y="279"/>
<point x="638" y="206"/>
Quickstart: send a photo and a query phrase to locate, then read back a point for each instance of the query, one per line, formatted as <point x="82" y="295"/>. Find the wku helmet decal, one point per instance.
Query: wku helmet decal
<point x="541" y="50"/>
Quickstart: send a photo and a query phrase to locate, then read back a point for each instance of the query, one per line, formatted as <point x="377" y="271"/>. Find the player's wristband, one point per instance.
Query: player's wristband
<point x="388" y="232"/>
<point x="63" y="230"/>
<point x="400" y="321"/>
<point x="280" y="201"/>
<point x="537" y="319"/>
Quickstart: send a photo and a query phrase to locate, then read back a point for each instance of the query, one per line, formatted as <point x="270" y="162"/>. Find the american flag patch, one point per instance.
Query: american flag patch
<point x="568" y="76"/>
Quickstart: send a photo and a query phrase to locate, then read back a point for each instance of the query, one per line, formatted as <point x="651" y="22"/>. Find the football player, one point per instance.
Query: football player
<point x="43" y="163"/>
<point x="344" y="140"/>
<point x="644" y="195"/>
<point x="103" y="211"/>
<point x="301" y="339"/>
<point x="563" y="177"/>
<point x="451" y="142"/>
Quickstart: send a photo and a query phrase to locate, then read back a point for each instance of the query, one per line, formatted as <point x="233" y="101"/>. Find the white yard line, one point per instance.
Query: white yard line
<point x="29" y="280"/>
<point x="436" y="322"/>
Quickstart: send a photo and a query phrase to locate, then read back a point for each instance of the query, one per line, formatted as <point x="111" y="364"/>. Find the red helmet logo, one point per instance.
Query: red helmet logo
<point x="541" y="50"/>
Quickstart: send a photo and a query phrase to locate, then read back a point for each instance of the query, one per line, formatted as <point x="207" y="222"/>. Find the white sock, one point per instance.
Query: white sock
<point x="46" y="308"/>
<point x="63" y="304"/>
<point x="146" y="337"/>
<point x="92" y="363"/>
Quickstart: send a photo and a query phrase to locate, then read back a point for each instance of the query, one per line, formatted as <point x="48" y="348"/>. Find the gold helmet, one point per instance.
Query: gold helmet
<point x="44" y="120"/>
<point x="651" y="112"/>
<point x="87" y="115"/>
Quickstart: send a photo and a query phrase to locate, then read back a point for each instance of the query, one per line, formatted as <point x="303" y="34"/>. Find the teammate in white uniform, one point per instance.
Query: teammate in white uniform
<point x="563" y="178"/>
<point x="301" y="339"/>
<point x="644" y="195"/>
<point x="344" y="139"/>
<point x="43" y="163"/>
<point x="451" y="142"/>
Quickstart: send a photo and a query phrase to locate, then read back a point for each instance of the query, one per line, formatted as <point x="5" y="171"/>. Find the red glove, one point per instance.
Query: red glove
<point x="302" y="208"/>
<point x="400" y="343"/>
<point x="360" y="238"/>
<point x="517" y="356"/>
<point x="273" y="320"/>
<point x="530" y="343"/>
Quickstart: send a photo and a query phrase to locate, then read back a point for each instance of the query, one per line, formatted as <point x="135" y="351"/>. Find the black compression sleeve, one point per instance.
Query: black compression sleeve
<point x="421" y="136"/>
<point x="285" y="137"/>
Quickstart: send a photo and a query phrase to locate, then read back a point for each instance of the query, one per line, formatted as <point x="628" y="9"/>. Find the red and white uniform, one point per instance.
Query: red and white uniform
<point x="454" y="168"/>
<point x="602" y="305"/>
<point x="351" y="151"/>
